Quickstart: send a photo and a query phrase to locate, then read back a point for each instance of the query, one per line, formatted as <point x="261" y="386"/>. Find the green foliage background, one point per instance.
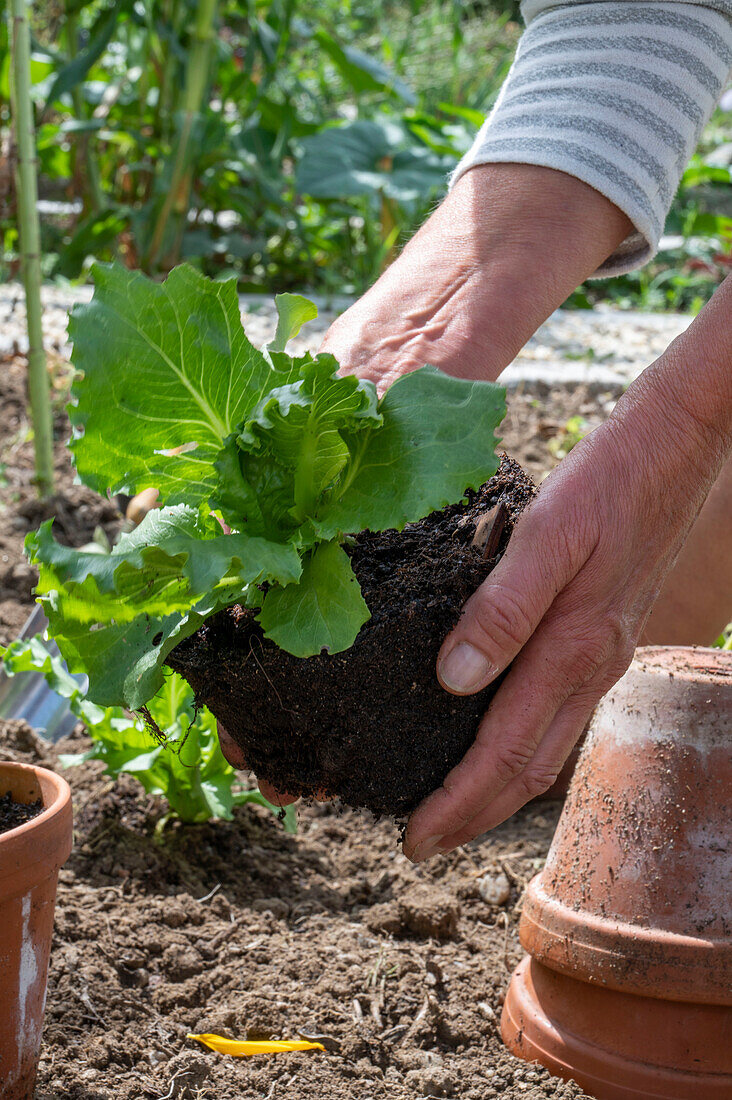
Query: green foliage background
<point x="296" y="145"/>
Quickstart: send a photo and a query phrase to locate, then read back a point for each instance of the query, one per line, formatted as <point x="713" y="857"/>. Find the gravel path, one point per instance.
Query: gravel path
<point x="601" y="348"/>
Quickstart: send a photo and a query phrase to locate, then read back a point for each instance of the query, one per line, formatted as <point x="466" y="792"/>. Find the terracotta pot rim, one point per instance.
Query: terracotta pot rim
<point x="62" y="792"/>
<point x="700" y="664"/>
<point x="630" y="958"/>
<point x="39" y="846"/>
<point x="598" y="1070"/>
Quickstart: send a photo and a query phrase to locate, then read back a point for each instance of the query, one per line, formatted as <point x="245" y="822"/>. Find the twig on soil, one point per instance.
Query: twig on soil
<point x="489" y="530"/>
<point x="87" y="1003"/>
<point x="210" y="894"/>
<point x="222" y="937"/>
<point x="169" y="1094"/>
<point x="392" y="1032"/>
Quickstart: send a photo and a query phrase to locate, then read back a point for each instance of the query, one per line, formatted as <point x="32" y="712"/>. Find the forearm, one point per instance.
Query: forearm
<point x="505" y="248"/>
<point x="683" y="402"/>
<point x="615" y="93"/>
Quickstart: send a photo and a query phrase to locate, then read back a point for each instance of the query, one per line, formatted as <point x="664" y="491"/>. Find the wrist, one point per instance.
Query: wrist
<point x="678" y="413"/>
<point x="517" y="239"/>
<point x="692" y="381"/>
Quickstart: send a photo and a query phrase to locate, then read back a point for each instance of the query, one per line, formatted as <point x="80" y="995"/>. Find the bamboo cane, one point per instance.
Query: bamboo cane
<point x="27" y="199"/>
<point x="194" y="89"/>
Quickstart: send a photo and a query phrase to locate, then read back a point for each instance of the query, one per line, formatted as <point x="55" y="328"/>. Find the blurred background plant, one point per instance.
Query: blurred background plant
<point x="297" y="145"/>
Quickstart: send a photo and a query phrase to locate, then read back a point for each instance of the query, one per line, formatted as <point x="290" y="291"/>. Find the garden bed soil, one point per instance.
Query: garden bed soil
<point x="242" y="929"/>
<point x="13" y="814"/>
<point x="310" y="725"/>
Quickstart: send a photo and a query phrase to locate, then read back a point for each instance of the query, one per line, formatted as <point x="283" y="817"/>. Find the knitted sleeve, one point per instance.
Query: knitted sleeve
<point x="615" y="93"/>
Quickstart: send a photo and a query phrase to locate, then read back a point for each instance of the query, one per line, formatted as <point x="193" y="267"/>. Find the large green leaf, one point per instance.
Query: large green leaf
<point x="363" y="72"/>
<point x="437" y="441"/>
<point x="325" y="611"/>
<point x="166" y="375"/>
<point x="125" y="661"/>
<point x="167" y="564"/>
<point x="374" y="157"/>
<point x="100" y="35"/>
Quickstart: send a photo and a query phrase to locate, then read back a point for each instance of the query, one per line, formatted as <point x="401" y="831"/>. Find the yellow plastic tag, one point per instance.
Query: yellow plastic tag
<point x="241" y="1048"/>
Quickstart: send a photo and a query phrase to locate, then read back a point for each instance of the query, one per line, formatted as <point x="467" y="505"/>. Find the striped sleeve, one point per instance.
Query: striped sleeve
<point x="615" y="93"/>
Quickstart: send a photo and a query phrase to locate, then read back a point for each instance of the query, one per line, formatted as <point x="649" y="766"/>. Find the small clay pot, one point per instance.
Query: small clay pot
<point x="628" y="989"/>
<point x="30" y="858"/>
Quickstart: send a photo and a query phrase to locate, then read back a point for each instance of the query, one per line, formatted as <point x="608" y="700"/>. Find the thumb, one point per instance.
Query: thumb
<point x="501" y="615"/>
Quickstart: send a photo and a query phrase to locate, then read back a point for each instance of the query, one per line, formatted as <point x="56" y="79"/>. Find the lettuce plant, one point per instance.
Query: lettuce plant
<point x="184" y="766"/>
<point x="265" y="463"/>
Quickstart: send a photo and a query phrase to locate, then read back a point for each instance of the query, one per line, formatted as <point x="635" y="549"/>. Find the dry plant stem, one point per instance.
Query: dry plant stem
<point x="83" y="152"/>
<point x="27" y="195"/>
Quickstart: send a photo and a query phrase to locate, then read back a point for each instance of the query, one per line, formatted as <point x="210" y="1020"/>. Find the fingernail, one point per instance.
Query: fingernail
<point x="465" y="669"/>
<point x="426" y="848"/>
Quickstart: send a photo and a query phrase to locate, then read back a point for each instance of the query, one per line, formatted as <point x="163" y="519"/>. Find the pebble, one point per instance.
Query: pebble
<point x="494" y="889"/>
<point x="603" y="348"/>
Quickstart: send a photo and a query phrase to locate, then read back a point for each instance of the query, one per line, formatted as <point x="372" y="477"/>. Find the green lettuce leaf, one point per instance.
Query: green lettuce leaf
<point x="117" y="616"/>
<point x="167" y="564"/>
<point x="167" y="373"/>
<point x="325" y="611"/>
<point x="287" y="454"/>
<point x="287" y="460"/>
<point x="437" y="440"/>
<point x="293" y="311"/>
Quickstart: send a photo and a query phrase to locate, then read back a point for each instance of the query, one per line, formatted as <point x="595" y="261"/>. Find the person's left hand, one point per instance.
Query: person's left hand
<point x="566" y="604"/>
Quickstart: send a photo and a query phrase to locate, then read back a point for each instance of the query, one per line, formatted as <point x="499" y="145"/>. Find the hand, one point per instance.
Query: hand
<point x="569" y="599"/>
<point x="506" y="247"/>
<point x="235" y="757"/>
<point x="471" y="287"/>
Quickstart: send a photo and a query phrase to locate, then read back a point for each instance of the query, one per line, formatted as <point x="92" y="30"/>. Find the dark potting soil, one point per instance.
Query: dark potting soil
<point x="370" y="725"/>
<point x="13" y="814"/>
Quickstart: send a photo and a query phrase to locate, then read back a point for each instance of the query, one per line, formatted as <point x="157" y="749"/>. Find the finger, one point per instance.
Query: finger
<point x="277" y="798"/>
<point x="500" y="617"/>
<point x="232" y="752"/>
<point x="561" y="660"/>
<point x="538" y="776"/>
<point x="234" y="755"/>
<point x="507" y="738"/>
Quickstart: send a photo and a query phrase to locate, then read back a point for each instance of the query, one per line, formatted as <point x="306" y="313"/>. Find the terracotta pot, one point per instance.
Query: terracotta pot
<point x="629" y="925"/>
<point x="30" y="858"/>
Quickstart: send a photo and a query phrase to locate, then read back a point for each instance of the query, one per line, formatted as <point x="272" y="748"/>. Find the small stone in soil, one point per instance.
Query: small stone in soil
<point x="494" y="889"/>
<point x="13" y="814"/>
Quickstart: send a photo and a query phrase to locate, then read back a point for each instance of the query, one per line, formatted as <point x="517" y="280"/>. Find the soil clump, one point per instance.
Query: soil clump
<point x="371" y="725"/>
